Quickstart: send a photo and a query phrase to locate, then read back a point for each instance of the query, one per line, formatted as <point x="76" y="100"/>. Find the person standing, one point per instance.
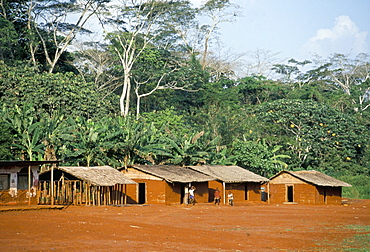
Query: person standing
<point x="230" y="197"/>
<point x="191" y="194"/>
<point x="217" y="195"/>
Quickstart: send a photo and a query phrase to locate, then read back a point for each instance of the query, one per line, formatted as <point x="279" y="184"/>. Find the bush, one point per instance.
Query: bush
<point x="360" y="187"/>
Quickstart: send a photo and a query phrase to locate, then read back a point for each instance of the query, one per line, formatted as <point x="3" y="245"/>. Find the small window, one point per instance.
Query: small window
<point x="4" y="182"/>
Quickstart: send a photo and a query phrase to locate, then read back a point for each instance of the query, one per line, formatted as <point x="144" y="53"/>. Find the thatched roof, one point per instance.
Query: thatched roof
<point x="173" y="173"/>
<point x="229" y="174"/>
<point x="316" y="178"/>
<point x="97" y="175"/>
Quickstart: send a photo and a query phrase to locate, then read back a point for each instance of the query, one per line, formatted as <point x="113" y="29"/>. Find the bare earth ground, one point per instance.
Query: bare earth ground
<point x="203" y="227"/>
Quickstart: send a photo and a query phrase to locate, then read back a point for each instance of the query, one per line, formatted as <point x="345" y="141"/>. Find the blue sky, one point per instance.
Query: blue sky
<point x="299" y="28"/>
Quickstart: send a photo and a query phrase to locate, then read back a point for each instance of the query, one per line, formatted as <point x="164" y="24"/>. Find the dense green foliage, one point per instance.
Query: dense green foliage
<point x="180" y="111"/>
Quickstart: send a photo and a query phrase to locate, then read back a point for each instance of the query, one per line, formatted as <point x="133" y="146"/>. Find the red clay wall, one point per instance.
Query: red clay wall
<point x="201" y="192"/>
<point x="173" y="193"/>
<point x="333" y="195"/>
<point x="304" y="193"/>
<point x="238" y="189"/>
<point x="254" y="191"/>
<point x="212" y="188"/>
<point x="154" y="191"/>
<point x="277" y="193"/>
<point x="131" y="192"/>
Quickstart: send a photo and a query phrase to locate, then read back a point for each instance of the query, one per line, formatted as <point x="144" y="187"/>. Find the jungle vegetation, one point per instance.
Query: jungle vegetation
<point x="150" y="91"/>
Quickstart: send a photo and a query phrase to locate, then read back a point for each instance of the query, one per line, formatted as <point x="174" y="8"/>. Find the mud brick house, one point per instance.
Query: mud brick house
<point x="245" y="185"/>
<point x="98" y="185"/>
<point x="305" y="187"/>
<point x="19" y="180"/>
<point x="165" y="184"/>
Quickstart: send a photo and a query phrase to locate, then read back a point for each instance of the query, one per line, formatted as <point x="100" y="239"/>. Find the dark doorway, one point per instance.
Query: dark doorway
<point x="182" y="194"/>
<point x="142" y="195"/>
<point x="245" y="191"/>
<point x="325" y="195"/>
<point x="290" y="193"/>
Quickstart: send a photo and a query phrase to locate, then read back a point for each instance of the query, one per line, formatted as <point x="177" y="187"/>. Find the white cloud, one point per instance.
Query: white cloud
<point x="344" y="37"/>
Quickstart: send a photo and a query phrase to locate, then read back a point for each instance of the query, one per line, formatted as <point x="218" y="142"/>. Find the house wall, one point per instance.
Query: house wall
<point x="212" y="188"/>
<point x="238" y="190"/>
<point x="243" y="192"/>
<point x="201" y="193"/>
<point x="132" y="194"/>
<point x="155" y="191"/>
<point x="329" y="195"/>
<point x="158" y="191"/>
<point x="12" y="193"/>
<point x="277" y="193"/>
<point x="254" y="191"/>
<point x="303" y="192"/>
<point x="172" y="193"/>
<point x="154" y="187"/>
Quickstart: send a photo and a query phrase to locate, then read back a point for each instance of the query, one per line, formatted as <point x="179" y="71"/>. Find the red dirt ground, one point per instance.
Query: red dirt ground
<point x="203" y="227"/>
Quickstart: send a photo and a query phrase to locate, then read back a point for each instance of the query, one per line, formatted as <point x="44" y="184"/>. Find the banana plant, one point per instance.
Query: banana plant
<point x="189" y="150"/>
<point x="83" y="145"/>
<point x="27" y="132"/>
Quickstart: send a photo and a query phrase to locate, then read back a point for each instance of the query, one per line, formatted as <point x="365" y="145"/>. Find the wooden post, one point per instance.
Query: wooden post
<point x="92" y="194"/>
<point x="52" y="185"/>
<point x="38" y="193"/>
<point x="99" y="196"/>
<point x="125" y="189"/>
<point x="108" y="195"/>
<point x="74" y="192"/>
<point x="80" y="193"/>
<point x="29" y="185"/>
<point x="224" y="192"/>
<point x="268" y="192"/>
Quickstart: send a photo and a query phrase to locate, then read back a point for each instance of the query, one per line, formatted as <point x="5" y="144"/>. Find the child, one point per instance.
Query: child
<point x="217" y="196"/>
<point x="191" y="193"/>
<point x="230" y="196"/>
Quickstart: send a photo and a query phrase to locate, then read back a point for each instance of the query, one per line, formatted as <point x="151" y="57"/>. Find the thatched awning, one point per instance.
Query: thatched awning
<point x="173" y="173"/>
<point x="229" y="174"/>
<point x="97" y="175"/>
<point x="316" y="178"/>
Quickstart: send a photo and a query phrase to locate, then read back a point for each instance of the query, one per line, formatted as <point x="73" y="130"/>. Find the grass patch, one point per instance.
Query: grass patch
<point x="359" y="242"/>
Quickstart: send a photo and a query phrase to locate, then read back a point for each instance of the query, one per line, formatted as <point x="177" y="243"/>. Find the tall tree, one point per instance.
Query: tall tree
<point x="218" y="11"/>
<point x="351" y="76"/>
<point x="314" y="134"/>
<point x="138" y="26"/>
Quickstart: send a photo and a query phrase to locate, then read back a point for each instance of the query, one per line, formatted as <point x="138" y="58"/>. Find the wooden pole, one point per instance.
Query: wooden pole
<point x="29" y="185"/>
<point x="123" y="190"/>
<point x="268" y="192"/>
<point x="224" y="192"/>
<point x="52" y="185"/>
